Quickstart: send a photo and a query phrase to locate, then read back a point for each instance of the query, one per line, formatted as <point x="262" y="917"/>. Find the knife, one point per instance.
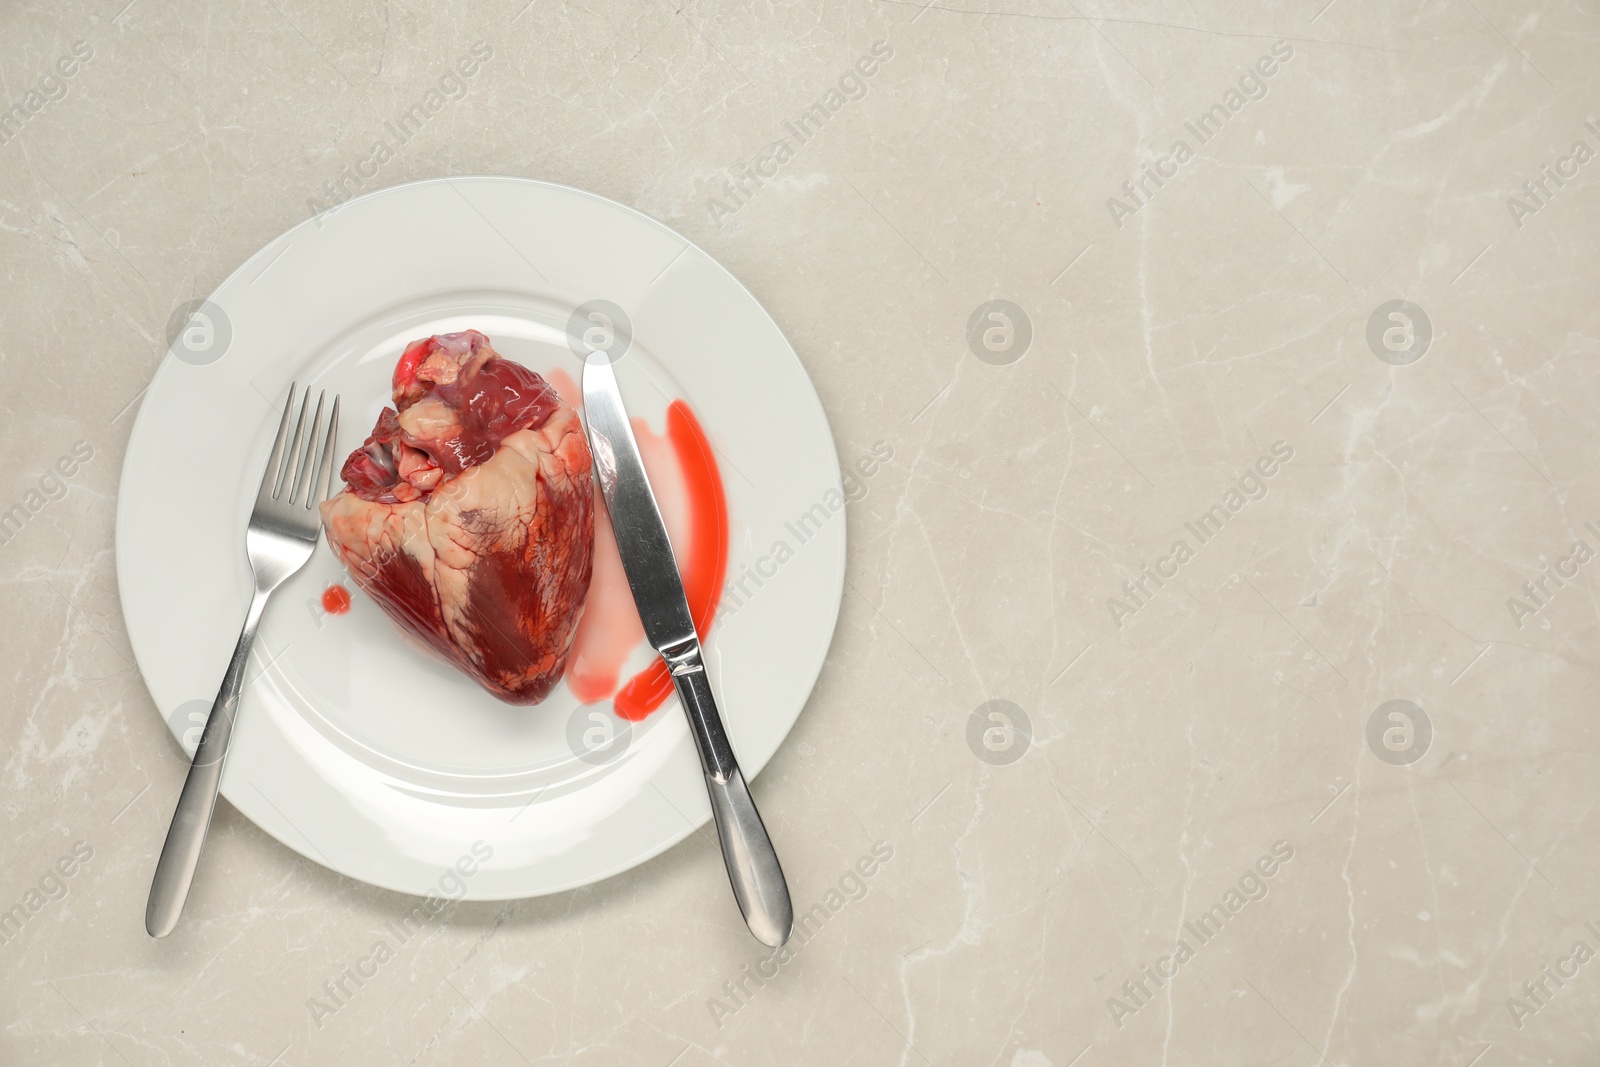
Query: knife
<point x="652" y="570"/>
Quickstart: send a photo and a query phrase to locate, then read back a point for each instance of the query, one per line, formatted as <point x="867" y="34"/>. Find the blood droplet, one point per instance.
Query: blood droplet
<point x="336" y="600"/>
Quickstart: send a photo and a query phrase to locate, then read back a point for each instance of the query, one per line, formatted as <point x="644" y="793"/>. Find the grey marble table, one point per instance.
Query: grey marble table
<point x="1216" y="679"/>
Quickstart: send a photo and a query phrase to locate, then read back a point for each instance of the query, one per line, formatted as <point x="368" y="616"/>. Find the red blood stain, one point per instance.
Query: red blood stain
<point x="706" y="562"/>
<point x="336" y="600"/>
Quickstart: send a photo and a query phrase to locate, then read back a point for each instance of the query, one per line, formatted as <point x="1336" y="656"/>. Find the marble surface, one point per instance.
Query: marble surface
<point x="1200" y="830"/>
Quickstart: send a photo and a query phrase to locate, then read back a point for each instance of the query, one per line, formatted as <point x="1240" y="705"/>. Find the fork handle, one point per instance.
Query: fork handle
<point x="181" y="854"/>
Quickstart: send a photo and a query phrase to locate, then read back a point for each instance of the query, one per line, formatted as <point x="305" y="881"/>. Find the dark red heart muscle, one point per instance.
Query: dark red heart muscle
<point x="468" y="515"/>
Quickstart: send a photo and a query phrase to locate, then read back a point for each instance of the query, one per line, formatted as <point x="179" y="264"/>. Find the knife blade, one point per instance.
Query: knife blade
<point x="653" y="576"/>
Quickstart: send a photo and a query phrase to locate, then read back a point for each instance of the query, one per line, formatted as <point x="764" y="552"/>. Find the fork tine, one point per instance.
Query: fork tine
<point x="291" y="461"/>
<point x="269" y="477"/>
<point x="325" y="464"/>
<point x="304" y="469"/>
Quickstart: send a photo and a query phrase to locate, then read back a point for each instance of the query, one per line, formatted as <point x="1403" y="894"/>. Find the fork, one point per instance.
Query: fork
<point x="283" y="531"/>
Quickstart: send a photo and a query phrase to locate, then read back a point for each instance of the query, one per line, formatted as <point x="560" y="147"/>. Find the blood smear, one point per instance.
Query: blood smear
<point x="688" y="488"/>
<point x="703" y="566"/>
<point x="610" y="629"/>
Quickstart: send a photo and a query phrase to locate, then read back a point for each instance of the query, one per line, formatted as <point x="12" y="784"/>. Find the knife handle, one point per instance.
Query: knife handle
<point x="753" y="870"/>
<point x="747" y="852"/>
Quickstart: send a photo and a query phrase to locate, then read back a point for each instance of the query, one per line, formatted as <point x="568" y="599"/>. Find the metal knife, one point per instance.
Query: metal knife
<point x="652" y="569"/>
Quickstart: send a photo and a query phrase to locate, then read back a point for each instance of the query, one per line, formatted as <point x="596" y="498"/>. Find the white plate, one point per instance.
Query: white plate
<point x="351" y="747"/>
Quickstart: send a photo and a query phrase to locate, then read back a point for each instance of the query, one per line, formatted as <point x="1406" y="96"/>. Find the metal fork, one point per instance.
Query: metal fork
<point x="283" y="531"/>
